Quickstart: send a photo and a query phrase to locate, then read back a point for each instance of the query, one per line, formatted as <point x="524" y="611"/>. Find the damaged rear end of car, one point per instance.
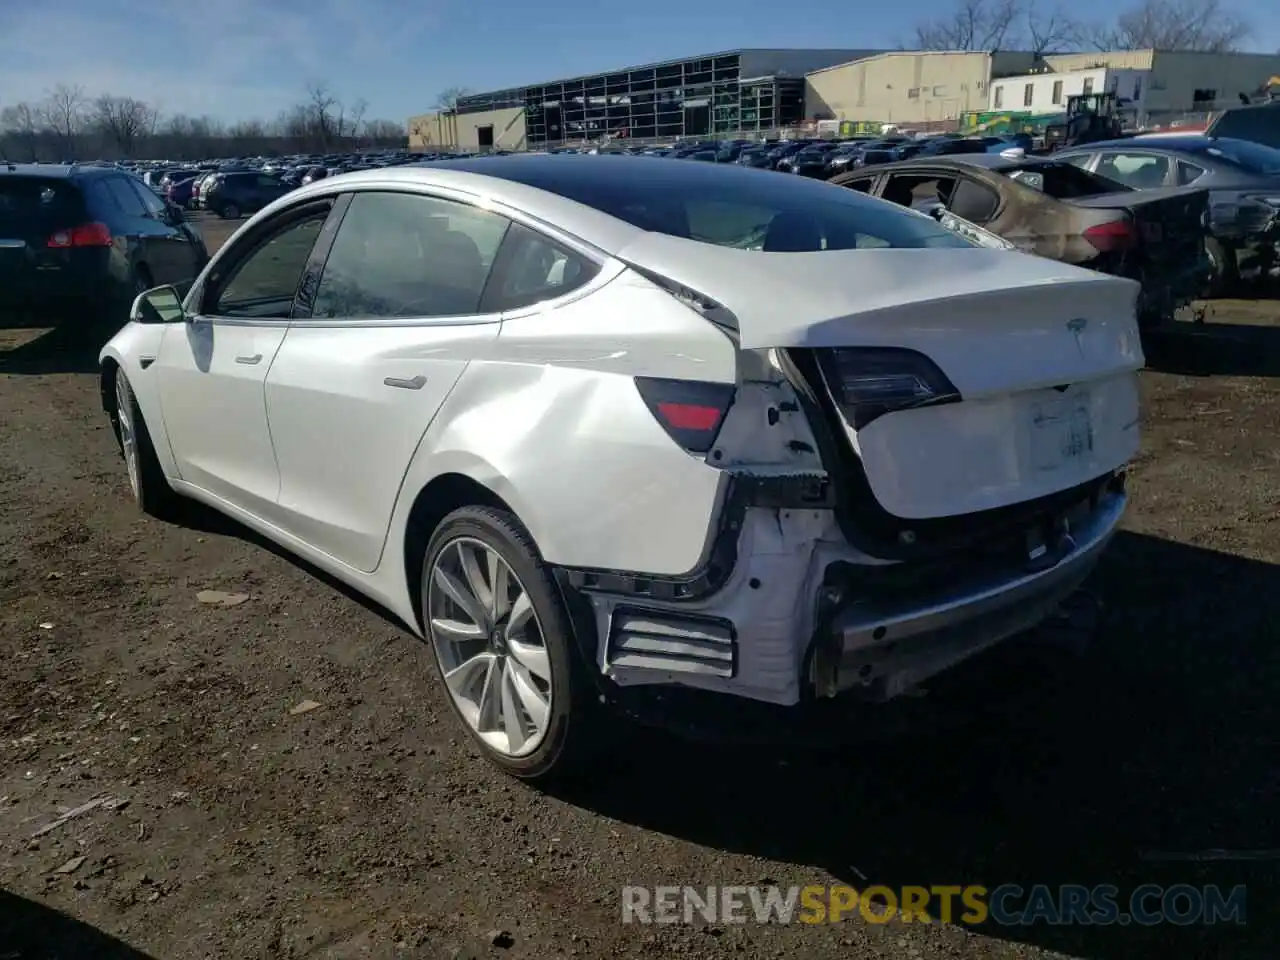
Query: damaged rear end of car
<point x="924" y="452"/>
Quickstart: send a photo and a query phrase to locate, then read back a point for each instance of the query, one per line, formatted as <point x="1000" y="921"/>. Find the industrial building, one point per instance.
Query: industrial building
<point x="743" y="92"/>
<point x="710" y="95"/>
<point x="924" y="88"/>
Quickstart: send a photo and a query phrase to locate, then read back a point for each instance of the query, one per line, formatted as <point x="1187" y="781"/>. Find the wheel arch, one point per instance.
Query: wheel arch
<point x="438" y="498"/>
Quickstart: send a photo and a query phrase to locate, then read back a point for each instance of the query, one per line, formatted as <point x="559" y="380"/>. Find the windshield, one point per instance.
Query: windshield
<point x="729" y="206"/>
<point x="1250" y="156"/>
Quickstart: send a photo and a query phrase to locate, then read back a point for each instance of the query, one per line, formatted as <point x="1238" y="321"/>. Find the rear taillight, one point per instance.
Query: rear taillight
<point x="85" y="235"/>
<point x="1116" y="235"/>
<point x="868" y="382"/>
<point x="689" y="410"/>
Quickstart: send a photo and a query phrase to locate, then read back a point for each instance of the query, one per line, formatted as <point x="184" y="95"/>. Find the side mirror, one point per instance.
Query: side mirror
<point x="158" y="305"/>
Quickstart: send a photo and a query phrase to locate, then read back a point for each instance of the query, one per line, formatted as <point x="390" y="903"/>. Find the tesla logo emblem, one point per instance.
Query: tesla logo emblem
<point x="1076" y="326"/>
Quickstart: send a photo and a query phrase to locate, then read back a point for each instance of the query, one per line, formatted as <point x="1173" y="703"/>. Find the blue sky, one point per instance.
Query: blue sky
<point x="238" y="58"/>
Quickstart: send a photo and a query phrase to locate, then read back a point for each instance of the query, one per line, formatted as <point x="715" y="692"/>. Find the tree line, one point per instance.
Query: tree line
<point x="1207" y="26"/>
<point x="70" y="123"/>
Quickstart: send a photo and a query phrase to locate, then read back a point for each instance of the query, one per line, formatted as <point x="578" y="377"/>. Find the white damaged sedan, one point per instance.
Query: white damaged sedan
<point x="599" y="425"/>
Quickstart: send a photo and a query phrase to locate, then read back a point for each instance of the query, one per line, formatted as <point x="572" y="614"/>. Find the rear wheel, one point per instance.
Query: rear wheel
<point x="230" y="211"/>
<point x="150" y="488"/>
<point x="502" y="647"/>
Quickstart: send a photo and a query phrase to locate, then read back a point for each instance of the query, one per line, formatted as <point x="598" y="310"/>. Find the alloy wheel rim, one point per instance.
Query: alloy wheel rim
<point x="490" y="645"/>
<point x="128" y="441"/>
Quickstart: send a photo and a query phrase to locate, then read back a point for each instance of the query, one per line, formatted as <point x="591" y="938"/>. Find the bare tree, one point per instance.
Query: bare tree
<point x="447" y="100"/>
<point x="385" y="133"/>
<point x="319" y="112"/>
<point x="123" y="121"/>
<point x="1187" y="25"/>
<point x="63" y="113"/>
<point x="355" y="117"/>
<point x="973" y="25"/>
<point x="1051" y="31"/>
<point x="22" y="122"/>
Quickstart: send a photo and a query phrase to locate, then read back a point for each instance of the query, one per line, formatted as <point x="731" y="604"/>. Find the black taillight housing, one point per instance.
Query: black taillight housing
<point x="691" y="411"/>
<point x="865" y="383"/>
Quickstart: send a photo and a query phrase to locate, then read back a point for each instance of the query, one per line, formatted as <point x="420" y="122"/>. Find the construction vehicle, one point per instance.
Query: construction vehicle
<point x="1090" y="117"/>
<point x="1268" y="92"/>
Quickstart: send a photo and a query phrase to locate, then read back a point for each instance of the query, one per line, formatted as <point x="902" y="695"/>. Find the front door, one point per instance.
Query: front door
<point x="212" y="369"/>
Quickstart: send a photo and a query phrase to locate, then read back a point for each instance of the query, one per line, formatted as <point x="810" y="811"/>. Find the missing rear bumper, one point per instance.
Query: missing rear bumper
<point x="884" y="649"/>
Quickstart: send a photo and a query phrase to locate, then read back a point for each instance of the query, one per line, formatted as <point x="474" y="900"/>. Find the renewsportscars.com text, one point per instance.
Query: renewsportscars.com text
<point x="1007" y="905"/>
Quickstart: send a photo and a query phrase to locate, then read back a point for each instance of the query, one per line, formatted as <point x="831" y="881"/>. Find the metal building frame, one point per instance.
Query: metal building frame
<point x="697" y="97"/>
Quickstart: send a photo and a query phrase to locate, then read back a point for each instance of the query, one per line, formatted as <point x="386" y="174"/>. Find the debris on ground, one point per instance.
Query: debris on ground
<point x="220" y="598"/>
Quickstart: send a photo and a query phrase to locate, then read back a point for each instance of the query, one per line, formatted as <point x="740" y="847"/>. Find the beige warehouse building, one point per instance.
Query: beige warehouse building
<point x="500" y="129"/>
<point x="915" y="87"/>
<point x="909" y="87"/>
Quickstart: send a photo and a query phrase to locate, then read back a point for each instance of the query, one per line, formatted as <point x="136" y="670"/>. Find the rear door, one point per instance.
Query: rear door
<point x="175" y="251"/>
<point x="395" y="314"/>
<point x="146" y="237"/>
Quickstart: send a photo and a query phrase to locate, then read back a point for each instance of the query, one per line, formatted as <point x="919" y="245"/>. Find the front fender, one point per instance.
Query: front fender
<point x="133" y="349"/>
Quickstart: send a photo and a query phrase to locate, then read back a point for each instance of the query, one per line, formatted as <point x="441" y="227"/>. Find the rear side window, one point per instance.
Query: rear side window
<point x="127" y="201"/>
<point x="405" y="255"/>
<point x="38" y="197"/>
<point x="534" y="269"/>
<point x="1063" y="181"/>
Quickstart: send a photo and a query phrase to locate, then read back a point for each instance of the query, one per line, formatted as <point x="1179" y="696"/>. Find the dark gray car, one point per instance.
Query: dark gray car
<point x="1242" y="177"/>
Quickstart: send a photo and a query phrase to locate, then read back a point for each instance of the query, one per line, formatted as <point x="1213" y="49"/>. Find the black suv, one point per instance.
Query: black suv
<point x="88" y="238"/>
<point x="1259" y="123"/>
<point x="234" y="194"/>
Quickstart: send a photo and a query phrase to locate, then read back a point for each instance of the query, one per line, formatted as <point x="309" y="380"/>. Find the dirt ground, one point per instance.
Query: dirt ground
<point x="230" y="826"/>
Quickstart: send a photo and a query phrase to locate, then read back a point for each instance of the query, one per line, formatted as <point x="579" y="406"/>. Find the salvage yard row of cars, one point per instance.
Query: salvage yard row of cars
<point x="615" y="427"/>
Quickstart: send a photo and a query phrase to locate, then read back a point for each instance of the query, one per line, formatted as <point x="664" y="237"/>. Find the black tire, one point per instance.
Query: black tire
<point x="575" y="723"/>
<point x="151" y="490"/>
<point x="229" y="211"/>
<point x="1224" y="275"/>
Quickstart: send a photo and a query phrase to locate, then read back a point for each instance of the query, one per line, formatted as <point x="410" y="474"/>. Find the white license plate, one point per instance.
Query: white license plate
<point x="1061" y="432"/>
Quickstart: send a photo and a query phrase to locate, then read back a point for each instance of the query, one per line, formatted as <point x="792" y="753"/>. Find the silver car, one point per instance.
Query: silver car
<point x="595" y="428"/>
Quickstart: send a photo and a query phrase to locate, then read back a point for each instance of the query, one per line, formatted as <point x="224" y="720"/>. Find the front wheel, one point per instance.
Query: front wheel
<point x="502" y="645"/>
<point x="150" y="487"/>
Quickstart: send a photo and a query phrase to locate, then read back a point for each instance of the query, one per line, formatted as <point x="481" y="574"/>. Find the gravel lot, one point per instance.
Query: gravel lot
<point x="366" y="827"/>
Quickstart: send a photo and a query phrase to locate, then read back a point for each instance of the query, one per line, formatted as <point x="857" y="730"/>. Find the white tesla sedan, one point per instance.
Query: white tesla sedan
<point x="593" y="425"/>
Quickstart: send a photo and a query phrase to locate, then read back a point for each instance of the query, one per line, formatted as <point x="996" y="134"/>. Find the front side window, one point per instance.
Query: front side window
<point x="262" y="286"/>
<point x="406" y="255"/>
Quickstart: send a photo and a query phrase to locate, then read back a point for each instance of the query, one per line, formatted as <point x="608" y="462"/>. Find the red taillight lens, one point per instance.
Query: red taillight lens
<point x="1117" y="235"/>
<point x="85" y="235"/>
<point x="689" y="410"/>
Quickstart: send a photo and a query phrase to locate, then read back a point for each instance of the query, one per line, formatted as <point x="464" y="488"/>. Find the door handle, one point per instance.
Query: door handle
<point x="406" y="383"/>
<point x="256" y="358"/>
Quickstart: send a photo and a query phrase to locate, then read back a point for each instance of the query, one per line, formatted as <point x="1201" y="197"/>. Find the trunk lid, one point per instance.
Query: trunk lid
<point x="1044" y="357"/>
